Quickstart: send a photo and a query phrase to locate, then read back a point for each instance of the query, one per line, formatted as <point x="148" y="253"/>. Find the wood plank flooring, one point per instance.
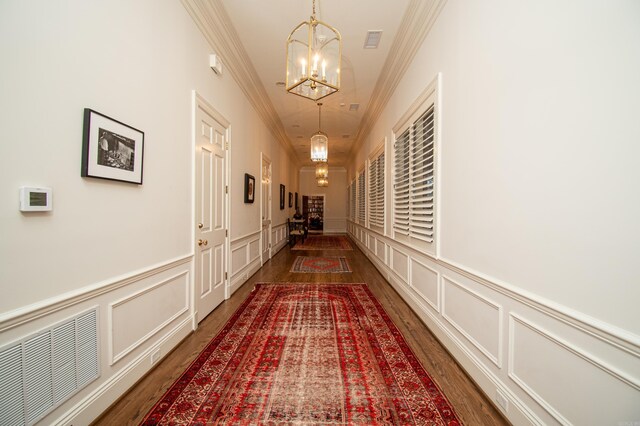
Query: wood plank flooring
<point x="471" y="405"/>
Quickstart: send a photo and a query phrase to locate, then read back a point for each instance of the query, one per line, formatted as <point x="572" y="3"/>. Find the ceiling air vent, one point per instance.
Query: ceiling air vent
<point x="373" y="39"/>
<point x="354" y="107"/>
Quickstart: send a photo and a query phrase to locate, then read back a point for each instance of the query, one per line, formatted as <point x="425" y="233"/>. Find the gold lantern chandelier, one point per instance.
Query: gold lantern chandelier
<point x="314" y="52"/>
<point x="322" y="170"/>
<point x="319" y="141"/>
<point x="323" y="181"/>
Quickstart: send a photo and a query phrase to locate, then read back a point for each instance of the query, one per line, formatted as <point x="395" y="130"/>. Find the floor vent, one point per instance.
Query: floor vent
<point x="43" y="370"/>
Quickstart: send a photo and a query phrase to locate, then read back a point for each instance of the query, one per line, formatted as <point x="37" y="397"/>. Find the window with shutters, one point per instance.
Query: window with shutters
<point x="376" y="191"/>
<point x="414" y="174"/>
<point x="352" y="198"/>
<point x="362" y="214"/>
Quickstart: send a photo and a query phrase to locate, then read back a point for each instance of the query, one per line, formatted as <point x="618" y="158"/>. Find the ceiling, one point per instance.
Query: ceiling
<point x="262" y="27"/>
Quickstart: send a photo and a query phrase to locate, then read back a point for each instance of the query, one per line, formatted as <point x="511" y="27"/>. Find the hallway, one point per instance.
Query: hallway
<point x="470" y="404"/>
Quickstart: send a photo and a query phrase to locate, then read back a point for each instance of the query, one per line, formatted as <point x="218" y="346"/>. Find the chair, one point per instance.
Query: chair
<point x="295" y="232"/>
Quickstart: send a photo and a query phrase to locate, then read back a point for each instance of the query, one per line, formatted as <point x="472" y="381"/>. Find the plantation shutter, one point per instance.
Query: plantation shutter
<point x="376" y="192"/>
<point x="401" y="185"/>
<point x="421" y="177"/>
<point x="361" y="199"/>
<point x="352" y="213"/>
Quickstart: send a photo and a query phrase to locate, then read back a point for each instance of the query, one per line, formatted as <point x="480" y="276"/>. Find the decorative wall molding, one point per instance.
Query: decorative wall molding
<point x="435" y="305"/>
<point x="613" y="335"/>
<point x="492" y="368"/>
<point x="29" y="313"/>
<point x="496" y="358"/>
<point x="246" y="236"/>
<point x="172" y="316"/>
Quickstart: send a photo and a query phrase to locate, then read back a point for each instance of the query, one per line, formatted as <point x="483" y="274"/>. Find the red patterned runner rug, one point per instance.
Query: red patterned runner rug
<point x="320" y="264"/>
<point x="301" y="354"/>
<point x="324" y="242"/>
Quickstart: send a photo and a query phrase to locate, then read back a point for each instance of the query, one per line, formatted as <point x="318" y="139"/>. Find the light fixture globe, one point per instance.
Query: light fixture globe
<point x="322" y="170"/>
<point x="314" y="51"/>
<point x="323" y="182"/>
<point x="319" y="147"/>
<point x="319" y="141"/>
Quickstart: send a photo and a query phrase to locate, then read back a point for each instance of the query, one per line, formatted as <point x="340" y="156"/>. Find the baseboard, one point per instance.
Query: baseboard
<point x="96" y="402"/>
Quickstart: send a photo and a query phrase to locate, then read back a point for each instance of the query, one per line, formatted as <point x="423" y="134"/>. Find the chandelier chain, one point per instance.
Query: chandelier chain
<point x="314" y="9"/>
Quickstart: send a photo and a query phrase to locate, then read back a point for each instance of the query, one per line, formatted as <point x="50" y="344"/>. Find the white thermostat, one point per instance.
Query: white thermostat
<point x="34" y="199"/>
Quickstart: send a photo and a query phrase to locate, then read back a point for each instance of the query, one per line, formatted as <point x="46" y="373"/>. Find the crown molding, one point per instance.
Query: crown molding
<point x="213" y="21"/>
<point x="416" y="24"/>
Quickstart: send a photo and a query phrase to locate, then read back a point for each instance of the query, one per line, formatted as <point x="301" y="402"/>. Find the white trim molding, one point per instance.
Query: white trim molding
<point x="482" y="337"/>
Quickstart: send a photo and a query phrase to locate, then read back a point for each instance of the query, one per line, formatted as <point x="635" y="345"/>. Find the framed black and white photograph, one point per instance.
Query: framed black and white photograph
<point x="290" y="200"/>
<point x="111" y="149"/>
<point x="297" y="204"/>
<point x="281" y="197"/>
<point x="249" y="188"/>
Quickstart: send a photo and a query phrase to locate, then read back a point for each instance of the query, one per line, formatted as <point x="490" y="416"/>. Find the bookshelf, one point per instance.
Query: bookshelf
<point x="316" y="212"/>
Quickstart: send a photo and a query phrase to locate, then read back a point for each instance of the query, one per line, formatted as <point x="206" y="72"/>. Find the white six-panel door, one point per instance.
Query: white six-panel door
<point x="265" y="236"/>
<point x="210" y="207"/>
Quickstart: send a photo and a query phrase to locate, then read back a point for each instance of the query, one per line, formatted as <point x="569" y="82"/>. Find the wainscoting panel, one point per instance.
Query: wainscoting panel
<point x="400" y="264"/>
<point x="425" y="282"/>
<point x="550" y="366"/>
<point x="239" y="258"/>
<point x="372" y="243"/>
<point x="254" y="250"/>
<point x="138" y="317"/>
<point x="474" y="316"/>
<point x="245" y="259"/>
<point x="536" y="354"/>
<point x="381" y="250"/>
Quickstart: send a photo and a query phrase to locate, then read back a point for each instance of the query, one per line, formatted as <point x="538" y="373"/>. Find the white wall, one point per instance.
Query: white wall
<point x="538" y="227"/>
<point x="335" y="196"/>
<point x="113" y="245"/>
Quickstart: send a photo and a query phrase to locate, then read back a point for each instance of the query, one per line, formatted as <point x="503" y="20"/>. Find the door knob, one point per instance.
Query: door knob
<point x="200" y="225"/>
<point x="200" y="242"/>
<point x="205" y="242"/>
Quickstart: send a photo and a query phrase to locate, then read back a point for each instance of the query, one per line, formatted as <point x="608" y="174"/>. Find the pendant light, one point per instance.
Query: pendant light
<point x="322" y="170"/>
<point x="314" y="52"/>
<point x="319" y="142"/>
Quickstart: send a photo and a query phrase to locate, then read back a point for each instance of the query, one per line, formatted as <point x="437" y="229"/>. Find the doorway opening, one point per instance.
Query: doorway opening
<point x="315" y="214"/>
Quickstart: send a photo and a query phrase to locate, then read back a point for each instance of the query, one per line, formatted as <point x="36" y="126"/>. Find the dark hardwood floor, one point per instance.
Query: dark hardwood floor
<point x="471" y="405"/>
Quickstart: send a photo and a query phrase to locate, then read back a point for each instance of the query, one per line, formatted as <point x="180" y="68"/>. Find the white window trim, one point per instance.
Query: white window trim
<point x="362" y="171"/>
<point x="432" y="93"/>
<point x="377" y="152"/>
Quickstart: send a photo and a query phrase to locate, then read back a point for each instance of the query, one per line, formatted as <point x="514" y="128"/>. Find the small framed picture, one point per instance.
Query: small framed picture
<point x="281" y="197"/>
<point x="290" y="200"/>
<point x="249" y="188"/>
<point x="297" y="203"/>
<point x="111" y="149"/>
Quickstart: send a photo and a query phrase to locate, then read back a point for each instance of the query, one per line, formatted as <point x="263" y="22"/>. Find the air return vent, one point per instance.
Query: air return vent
<point x="373" y="39"/>
<point x="43" y="370"/>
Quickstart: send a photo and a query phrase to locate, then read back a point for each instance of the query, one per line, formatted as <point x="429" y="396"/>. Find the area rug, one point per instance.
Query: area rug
<point x="301" y="354"/>
<point x="320" y="265"/>
<point x="324" y="242"/>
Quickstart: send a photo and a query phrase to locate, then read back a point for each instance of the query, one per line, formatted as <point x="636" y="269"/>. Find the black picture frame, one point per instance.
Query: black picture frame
<point x="111" y="149"/>
<point x="290" y="200"/>
<point x="281" y="197"/>
<point x="249" y="188"/>
<point x="297" y="202"/>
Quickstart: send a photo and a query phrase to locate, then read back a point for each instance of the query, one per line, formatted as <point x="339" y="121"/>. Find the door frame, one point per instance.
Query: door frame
<point x="264" y="158"/>
<point x="198" y="99"/>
